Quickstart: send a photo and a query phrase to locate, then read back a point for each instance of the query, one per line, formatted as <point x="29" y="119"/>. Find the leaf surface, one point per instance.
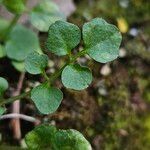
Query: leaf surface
<point x="47" y="99"/>
<point x="101" y="40"/>
<point x="63" y="37"/>
<point x="35" y="63"/>
<point x="76" y="77"/>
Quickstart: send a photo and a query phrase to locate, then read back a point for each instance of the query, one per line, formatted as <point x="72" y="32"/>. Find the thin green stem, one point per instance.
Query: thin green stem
<point x="50" y="79"/>
<point x="45" y="75"/>
<point x="12" y="24"/>
<point x="12" y="99"/>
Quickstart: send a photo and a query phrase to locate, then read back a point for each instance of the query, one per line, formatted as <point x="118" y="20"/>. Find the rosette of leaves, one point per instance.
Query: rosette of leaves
<point x="48" y="137"/>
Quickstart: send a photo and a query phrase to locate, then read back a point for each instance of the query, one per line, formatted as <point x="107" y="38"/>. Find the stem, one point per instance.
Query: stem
<point x="12" y="99"/>
<point x="53" y="77"/>
<point x="45" y="75"/>
<point x="12" y="24"/>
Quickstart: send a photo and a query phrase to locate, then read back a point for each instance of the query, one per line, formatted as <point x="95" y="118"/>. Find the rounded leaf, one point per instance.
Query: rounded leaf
<point x="19" y="65"/>
<point x="70" y="139"/>
<point x="76" y="77"/>
<point x="3" y="85"/>
<point x="63" y="37"/>
<point x="22" y="41"/>
<point x="101" y="40"/>
<point x="35" y="63"/>
<point x="47" y="99"/>
<point x="40" y="137"/>
<point x="15" y="6"/>
<point x="44" y="14"/>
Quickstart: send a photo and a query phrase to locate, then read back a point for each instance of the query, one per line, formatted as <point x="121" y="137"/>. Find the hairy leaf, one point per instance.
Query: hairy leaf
<point x="101" y="40"/>
<point x="48" y="137"/>
<point x="70" y="140"/>
<point x="76" y="77"/>
<point x="35" y="63"/>
<point x="44" y="14"/>
<point x="22" y="41"/>
<point x="47" y="99"/>
<point x="63" y="37"/>
<point x="40" y="137"/>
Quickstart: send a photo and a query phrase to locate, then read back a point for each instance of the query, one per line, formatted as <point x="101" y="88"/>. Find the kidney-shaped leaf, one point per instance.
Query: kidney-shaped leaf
<point x="15" y="6"/>
<point x="3" y="85"/>
<point x="76" y="77"/>
<point x="35" y="63"/>
<point x="101" y="40"/>
<point x="63" y="37"/>
<point x="48" y="137"/>
<point x="47" y="99"/>
<point x="40" y="137"/>
<point x="44" y="14"/>
<point x="22" y="41"/>
<point x="70" y="140"/>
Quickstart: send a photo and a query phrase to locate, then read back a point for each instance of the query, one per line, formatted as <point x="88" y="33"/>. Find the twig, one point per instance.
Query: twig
<point x="20" y="116"/>
<point x="16" y="109"/>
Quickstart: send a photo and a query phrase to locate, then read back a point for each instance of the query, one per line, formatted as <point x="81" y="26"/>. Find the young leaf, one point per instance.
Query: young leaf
<point x="101" y="40"/>
<point x="63" y="37"/>
<point x="2" y="110"/>
<point x="40" y="137"/>
<point x="19" y="65"/>
<point x="70" y="139"/>
<point x="44" y="14"/>
<point x="47" y="99"/>
<point x="22" y="41"/>
<point x="76" y="77"/>
<point x="3" y="85"/>
<point x="15" y="6"/>
<point x="35" y="63"/>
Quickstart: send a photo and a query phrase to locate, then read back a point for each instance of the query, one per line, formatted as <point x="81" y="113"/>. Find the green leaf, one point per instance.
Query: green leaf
<point x="15" y="6"/>
<point x="44" y="14"/>
<point x="3" y="85"/>
<point x="76" y="77"/>
<point x="63" y="37"/>
<point x="35" y="63"/>
<point x="70" y="140"/>
<point x="101" y="40"/>
<point x="48" y="137"/>
<point x="2" y="51"/>
<point x="40" y="137"/>
<point x="2" y="110"/>
<point x="22" y="41"/>
<point x="47" y="99"/>
<point x="19" y="65"/>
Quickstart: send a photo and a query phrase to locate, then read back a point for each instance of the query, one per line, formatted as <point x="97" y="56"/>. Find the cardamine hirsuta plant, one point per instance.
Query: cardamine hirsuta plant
<point x="101" y="42"/>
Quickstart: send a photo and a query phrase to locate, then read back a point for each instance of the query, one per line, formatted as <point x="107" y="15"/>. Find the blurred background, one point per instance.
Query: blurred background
<point x="114" y="112"/>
